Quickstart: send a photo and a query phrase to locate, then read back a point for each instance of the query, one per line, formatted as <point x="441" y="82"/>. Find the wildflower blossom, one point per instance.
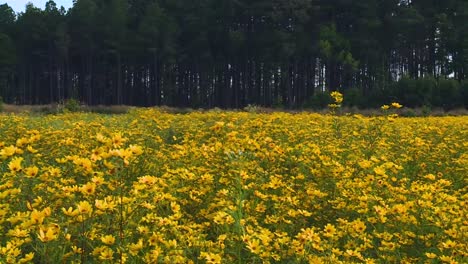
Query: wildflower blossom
<point x="47" y="235"/>
<point x="396" y="105"/>
<point x="15" y="164"/>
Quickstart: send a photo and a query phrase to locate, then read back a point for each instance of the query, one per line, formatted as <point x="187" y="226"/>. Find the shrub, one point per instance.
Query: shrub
<point x="409" y="113"/>
<point x="353" y="97"/>
<point x="377" y="97"/>
<point x="464" y="93"/>
<point x="72" y="105"/>
<point x="446" y="94"/>
<point x="319" y="100"/>
<point x="426" y="110"/>
<point x="414" y="93"/>
<point x="251" y="108"/>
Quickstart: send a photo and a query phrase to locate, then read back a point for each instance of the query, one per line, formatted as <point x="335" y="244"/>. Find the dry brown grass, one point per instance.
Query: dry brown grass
<point x="122" y="109"/>
<point x="9" y="108"/>
<point x="58" y="108"/>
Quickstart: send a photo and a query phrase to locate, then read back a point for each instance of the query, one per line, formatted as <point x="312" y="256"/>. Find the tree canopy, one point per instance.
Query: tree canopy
<point x="231" y="53"/>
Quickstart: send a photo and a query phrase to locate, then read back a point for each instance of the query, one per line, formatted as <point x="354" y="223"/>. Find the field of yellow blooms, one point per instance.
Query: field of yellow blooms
<point x="232" y="187"/>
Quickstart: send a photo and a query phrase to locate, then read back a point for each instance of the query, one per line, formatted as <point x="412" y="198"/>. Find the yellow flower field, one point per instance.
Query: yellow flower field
<point x="232" y="187"/>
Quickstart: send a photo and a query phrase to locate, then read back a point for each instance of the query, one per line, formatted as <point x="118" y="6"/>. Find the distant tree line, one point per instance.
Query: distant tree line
<point x="231" y="53"/>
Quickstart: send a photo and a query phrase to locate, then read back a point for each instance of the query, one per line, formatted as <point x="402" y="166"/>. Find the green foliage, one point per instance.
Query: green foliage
<point x="414" y="92"/>
<point x="427" y="92"/>
<point x="409" y="113"/>
<point x="426" y="110"/>
<point x="334" y="47"/>
<point x="319" y="100"/>
<point x="1" y="104"/>
<point x="72" y="105"/>
<point x="7" y="51"/>
<point x="7" y="18"/>
<point x="446" y="94"/>
<point x="353" y="97"/>
<point x="377" y="97"/>
<point x="8" y="61"/>
<point x="464" y="93"/>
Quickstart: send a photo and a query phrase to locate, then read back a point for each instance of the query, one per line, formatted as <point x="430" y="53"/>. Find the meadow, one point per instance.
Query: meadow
<point x="232" y="187"/>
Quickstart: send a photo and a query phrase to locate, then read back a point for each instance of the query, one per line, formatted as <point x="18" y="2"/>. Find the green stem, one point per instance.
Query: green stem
<point x="82" y="240"/>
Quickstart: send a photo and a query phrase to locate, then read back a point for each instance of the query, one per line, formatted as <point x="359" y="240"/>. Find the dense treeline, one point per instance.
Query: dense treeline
<point x="231" y="53"/>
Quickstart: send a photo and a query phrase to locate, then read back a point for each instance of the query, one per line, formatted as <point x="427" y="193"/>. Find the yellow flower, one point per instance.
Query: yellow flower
<point x="84" y="207"/>
<point x="153" y="255"/>
<point x="77" y="250"/>
<point x="365" y="164"/>
<point x="136" y="150"/>
<point x="136" y="247"/>
<point x="70" y="212"/>
<point x="97" y="154"/>
<point x="31" y="149"/>
<point x="109" y="165"/>
<point x="217" y="126"/>
<point x="379" y="170"/>
<point x="254" y="246"/>
<point x="108" y="240"/>
<point x="27" y="258"/>
<point x="385" y="107"/>
<point x="84" y="163"/>
<point x="117" y="140"/>
<point x="47" y="235"/>
<point x="430" y="176"/>
<point x="359" y="226"/>
<point x="143" y="230"/>
<point x="329" y="230"/>
<point x="31" y="171"/>
<point x="222" y="218"/>
<point x="447" y="259"/>
<point x="353" y="253"/>
<point x="155" y="239"/>
<point x="211" y="258"/>
<point x="449" y="244"/>
<point x="15" y="164"/>
<point x="106" y="254"/>
<point x="337" y="96"/>
<point x="88" y="189"/>
<point x="396" y="105"/>
<point x="8" y="151"/>
<point x="37" y="217"/>
<point x="55" y="172"/>
<point x="101" y="138"/>
<point x="17" y="232"/>
<point x="430" y="255"/>
<point x="54" y="227"/>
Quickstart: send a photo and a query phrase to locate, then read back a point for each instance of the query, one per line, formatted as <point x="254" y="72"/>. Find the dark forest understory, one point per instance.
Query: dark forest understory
<point x="231" y="53"/>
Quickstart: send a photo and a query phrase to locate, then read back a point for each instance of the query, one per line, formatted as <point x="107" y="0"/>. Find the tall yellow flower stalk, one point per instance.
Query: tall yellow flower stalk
<point x="337" y="98"/>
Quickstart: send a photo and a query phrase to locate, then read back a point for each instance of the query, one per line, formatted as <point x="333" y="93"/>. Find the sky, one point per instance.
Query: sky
<point x="18" y="5"/>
